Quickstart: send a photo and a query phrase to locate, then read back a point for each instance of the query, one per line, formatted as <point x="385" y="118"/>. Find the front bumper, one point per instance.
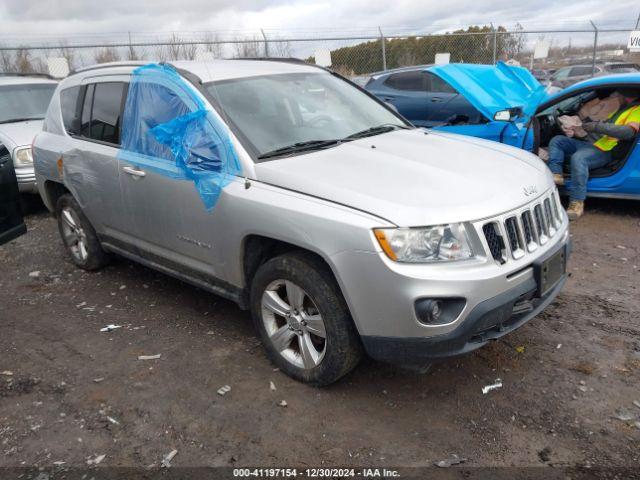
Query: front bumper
<point x="489" y="320"/>
<point x="498" y="298"/>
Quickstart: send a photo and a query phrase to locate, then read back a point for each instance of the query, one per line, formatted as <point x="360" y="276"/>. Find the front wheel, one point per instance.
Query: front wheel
<point x="303" y="320"/>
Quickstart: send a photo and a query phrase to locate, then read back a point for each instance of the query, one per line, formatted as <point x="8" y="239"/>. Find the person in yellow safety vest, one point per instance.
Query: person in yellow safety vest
<point x="593" y="150"/>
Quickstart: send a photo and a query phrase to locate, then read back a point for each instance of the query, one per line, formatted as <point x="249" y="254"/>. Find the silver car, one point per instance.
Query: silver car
<point x="298" y="195"/>
<point x="23" y="102"/>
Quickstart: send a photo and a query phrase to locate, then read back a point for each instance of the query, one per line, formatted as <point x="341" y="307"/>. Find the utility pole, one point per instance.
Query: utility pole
<point x="595" y="48"/>
<point x="384" y="50"/>
<point x="495" y="44"/>
<point x="266" y="44"/>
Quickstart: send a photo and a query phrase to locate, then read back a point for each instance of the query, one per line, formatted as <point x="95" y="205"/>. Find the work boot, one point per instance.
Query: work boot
<point x="575" y="210"/>
<point x="558" y="179"/>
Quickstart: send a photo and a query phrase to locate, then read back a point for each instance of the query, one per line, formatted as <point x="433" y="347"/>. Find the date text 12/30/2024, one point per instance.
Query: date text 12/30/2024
<point x="315" y="473"/>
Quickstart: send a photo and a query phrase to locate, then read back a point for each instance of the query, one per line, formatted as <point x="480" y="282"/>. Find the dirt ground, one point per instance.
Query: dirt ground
<point x="69" y="393"/>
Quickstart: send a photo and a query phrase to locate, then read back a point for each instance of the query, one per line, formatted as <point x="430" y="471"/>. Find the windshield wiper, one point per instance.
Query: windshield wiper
<point x="370" y="132"/>
<point x="309" y="145"/>
<point x="16" y="120"/>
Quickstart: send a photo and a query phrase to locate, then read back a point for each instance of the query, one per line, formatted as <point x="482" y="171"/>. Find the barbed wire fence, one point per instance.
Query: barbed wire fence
<point x="350" y="55"/>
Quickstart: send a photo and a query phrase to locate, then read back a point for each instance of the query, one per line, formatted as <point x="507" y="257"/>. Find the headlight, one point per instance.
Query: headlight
<point x="425" y="245"/>
<point x="22" y="157"/>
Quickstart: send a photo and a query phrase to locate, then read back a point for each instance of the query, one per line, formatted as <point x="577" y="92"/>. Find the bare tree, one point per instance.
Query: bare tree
<point x="189" y="51"/>
<point x="248" y="48"/>
<point x="23" y="61"/>
<point x="6" y="60"/>
<point x="161" y="53"/>
<point x="69" y="54"/>
<point x="211" y="44"/>
<point x="106" y="54"/>
<point x="132" y="53"/>
<point x="174" y="47"/>
<point x="281" y="49"/>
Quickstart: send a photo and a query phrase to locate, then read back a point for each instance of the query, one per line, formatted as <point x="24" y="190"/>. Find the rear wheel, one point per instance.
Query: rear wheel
<point x="78" y="236"/>
<point x="303" y="320"/>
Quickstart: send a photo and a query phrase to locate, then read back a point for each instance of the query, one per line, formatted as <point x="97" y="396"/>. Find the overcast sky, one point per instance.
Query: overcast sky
<point x="74" y="18"/>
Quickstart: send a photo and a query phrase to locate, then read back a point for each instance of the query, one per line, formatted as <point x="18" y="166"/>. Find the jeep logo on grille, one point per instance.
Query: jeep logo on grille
<point x="530" y="190"/>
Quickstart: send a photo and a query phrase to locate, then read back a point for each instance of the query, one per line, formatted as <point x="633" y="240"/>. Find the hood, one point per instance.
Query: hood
<point x="16" y="134"/>
<point x="414" y="178"/>
<point x="492" y="88"/>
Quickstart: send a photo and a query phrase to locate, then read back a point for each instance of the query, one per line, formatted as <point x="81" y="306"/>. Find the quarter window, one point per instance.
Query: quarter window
<point x="70" y="110"/>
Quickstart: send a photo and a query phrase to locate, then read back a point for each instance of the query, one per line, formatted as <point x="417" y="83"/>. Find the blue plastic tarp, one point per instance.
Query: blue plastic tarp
<point x="167" y="128"/>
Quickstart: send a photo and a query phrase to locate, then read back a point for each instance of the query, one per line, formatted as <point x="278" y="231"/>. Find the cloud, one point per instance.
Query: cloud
<point x="30" y="20"/>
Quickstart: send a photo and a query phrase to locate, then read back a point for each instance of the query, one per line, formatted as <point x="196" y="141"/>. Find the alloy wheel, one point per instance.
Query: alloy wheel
<point x="74" y="235"/>
<point x="293" y="324"/>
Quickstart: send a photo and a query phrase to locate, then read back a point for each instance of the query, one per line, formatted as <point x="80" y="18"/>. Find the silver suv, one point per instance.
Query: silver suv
<point x="298" y="195"/>
<point x="23" y="102"/>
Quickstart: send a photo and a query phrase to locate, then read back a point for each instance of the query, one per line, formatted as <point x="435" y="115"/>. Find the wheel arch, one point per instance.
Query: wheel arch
<point x="258" y="249"/>
<point x="51" y="192"/>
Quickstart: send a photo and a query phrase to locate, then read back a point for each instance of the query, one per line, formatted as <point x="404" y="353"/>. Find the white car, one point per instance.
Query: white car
<point x="23" y="103"/>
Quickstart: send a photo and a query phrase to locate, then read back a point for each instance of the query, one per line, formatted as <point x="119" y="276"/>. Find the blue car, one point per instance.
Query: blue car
<point x="510" y="106"/>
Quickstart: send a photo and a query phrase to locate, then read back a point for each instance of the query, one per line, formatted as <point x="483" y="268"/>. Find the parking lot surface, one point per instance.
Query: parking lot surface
<point x="70" y="393"/>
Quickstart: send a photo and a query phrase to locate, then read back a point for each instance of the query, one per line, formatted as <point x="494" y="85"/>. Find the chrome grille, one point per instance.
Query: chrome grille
<point x="521" y="232"/>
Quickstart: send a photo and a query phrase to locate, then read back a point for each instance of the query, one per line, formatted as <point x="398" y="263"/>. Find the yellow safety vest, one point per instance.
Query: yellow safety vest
<point x="631" y="115"/>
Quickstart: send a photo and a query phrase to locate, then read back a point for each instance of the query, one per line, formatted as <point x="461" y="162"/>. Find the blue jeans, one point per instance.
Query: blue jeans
<point x="583" y="157"/>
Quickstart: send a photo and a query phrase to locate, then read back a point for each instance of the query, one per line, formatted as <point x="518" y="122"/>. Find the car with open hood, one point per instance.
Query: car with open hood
<point x="300" y="196"/>
<point x="515" y="109"/>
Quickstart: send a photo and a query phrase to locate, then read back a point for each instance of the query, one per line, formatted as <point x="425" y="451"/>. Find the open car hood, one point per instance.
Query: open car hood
<point x="492" y="88"/>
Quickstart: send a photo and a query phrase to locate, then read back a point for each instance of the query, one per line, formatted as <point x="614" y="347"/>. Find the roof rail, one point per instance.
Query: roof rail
<point x="99" y="66"/>
<point x="274" y="59"/>
<point x="22" y="74"/>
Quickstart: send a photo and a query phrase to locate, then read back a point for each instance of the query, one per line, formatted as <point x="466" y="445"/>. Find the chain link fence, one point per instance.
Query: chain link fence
<point x="351" y="56"/>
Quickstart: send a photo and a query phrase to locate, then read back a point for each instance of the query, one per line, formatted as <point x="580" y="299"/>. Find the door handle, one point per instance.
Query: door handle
<point x="134" y="171"/>
<point x="436" y="99"/>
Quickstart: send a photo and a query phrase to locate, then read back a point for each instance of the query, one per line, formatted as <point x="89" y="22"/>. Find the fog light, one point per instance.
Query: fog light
<point x="431" y="310"/>
<point x="438" y="310"/>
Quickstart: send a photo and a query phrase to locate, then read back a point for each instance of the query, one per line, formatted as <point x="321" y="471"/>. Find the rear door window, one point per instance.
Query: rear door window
<point x="101" y="116"/>
<point x="85" y="122"/>
<point x="437" y="85"/>
<point x="409" y="81"/>
<point x="107" y="111"/>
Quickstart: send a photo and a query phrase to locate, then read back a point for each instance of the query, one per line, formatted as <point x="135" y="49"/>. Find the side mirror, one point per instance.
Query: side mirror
<point x="507" y="115"/>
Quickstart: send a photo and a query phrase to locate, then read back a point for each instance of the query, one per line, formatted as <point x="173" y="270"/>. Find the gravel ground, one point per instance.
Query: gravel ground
<point x="69" y="393"/>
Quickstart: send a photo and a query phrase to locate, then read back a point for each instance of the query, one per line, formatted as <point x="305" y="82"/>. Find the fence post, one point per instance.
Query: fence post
<point x="384" y="50"/>
<point x="595" y="48"/>
<point x="266" y="44"/>
<point x="495" y="44"/>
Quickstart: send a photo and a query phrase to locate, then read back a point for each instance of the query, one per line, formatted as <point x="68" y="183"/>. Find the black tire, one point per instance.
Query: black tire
<point x="343" y="347"/>
<point x="96" y="257"/>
